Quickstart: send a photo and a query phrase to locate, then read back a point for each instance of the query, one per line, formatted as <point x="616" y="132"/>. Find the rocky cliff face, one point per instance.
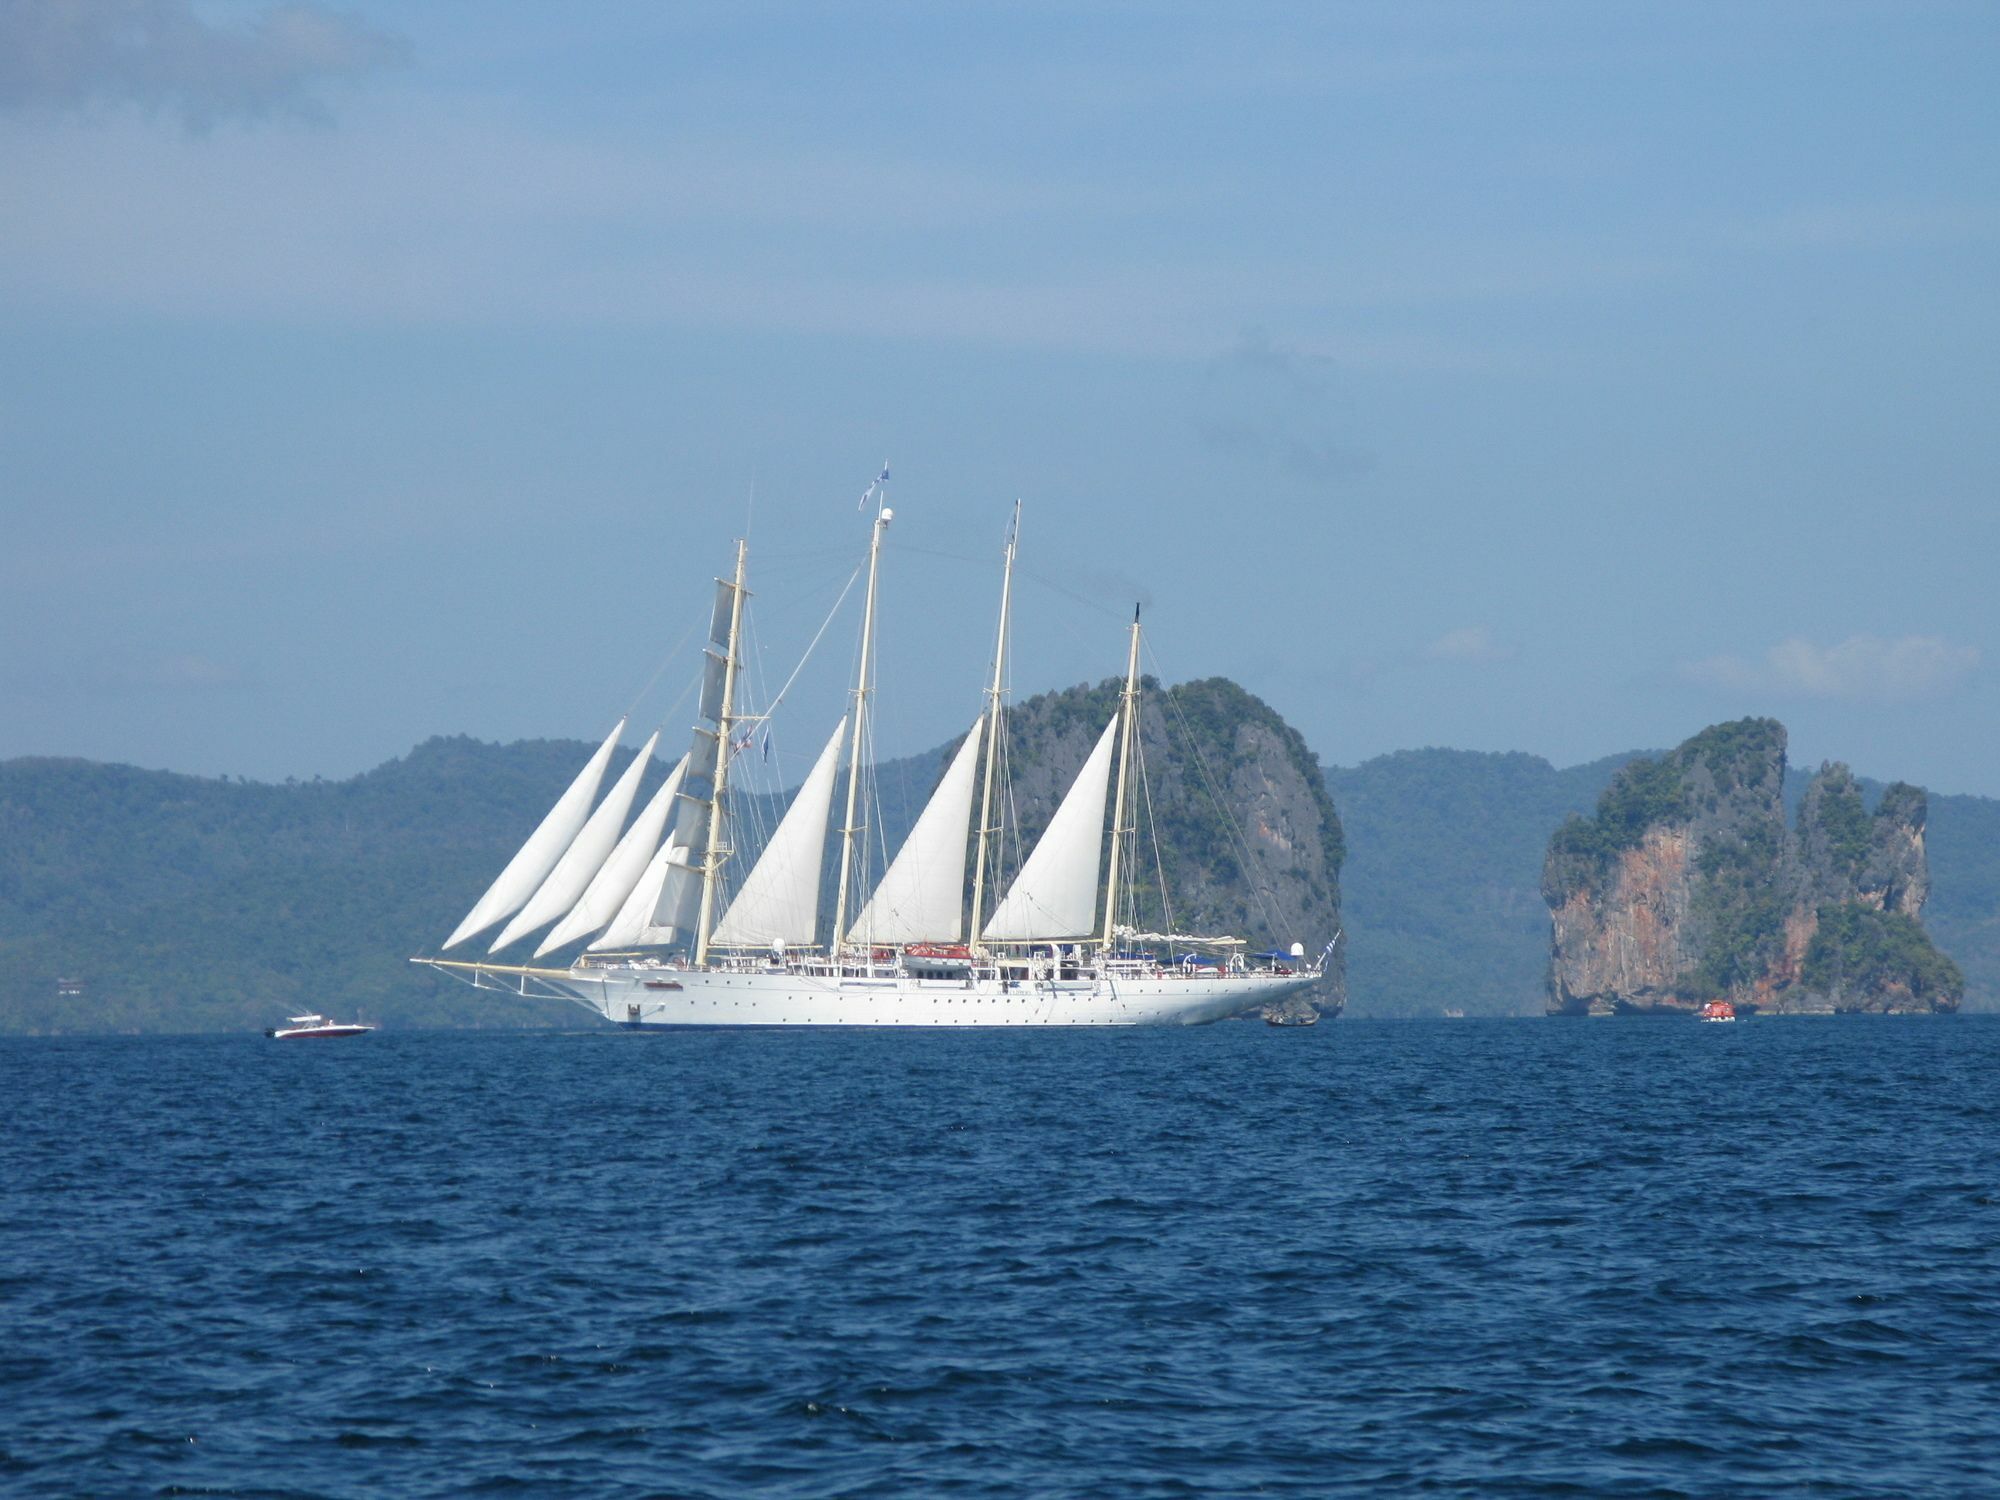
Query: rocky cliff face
<point x="1686" y="886"/>
<point x="1248" y="840"/>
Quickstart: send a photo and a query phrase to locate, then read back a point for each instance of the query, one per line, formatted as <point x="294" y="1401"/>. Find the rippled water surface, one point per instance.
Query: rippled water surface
<point x="1495" y="1258"/>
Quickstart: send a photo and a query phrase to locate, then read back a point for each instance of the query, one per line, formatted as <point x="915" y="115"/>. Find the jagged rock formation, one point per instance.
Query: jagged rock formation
<point x="1686" y="886"/>
<point x="1249" y="842"/>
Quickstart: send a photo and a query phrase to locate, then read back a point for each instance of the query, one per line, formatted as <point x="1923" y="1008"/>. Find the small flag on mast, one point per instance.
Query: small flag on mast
<point x="876" y="484"/>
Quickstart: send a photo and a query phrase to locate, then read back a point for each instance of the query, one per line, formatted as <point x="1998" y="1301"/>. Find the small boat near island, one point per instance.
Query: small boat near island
<point x="299" y="1028"/>
<point x="1717" y="1010"/>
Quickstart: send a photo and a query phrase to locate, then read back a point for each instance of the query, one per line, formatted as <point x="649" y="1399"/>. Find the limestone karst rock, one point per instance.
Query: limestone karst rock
<point x="1687" y="885"/>
<point x="1249" y="842"/>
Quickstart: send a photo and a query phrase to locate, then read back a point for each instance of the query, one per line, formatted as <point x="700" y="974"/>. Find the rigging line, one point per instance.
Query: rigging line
<point x="1236" y="836"/>
<point x="1013" y="821"/>
<point x="772" y="707"/>
<point x="756" y="815"/>
<point x="879" y="830"/>
<point x="759" y="807"/>
<point x="871" y="813"/>
<point x="814" y="567"/>
<point x="673" y="652"/>
<point x="949" y="556"/>
<point x="1008" y="829"/>
<point x="1229" y="821"/>
<point x="675" y="707"/>
<point x="1153" y="833"/>
<point x="1049" y="583"/>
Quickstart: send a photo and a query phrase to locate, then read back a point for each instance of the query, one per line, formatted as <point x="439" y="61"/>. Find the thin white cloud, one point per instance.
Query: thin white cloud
<point x="173" y="674"/>
<point x="1471" y="646"/>
<point x="434" y="212"/>
<point x="162" y="55"/>
<point x="482" y="221"/>
<point x="1862" y="668"/>
<point x="186" y="671"/>
<point x="440" y="209"/>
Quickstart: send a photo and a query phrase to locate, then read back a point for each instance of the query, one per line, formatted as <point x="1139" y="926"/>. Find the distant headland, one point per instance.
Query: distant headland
<point x="135" y="900"/>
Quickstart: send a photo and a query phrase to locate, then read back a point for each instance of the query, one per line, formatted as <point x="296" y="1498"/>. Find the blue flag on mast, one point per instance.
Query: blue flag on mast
<point x="874" y="485"/>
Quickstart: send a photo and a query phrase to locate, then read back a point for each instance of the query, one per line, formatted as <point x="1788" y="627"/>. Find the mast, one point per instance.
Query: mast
<point x="993" y="728"/>
<point x="862" y="687"/>
<point x="718" y="850"/>
<point x="1130" y="715"/>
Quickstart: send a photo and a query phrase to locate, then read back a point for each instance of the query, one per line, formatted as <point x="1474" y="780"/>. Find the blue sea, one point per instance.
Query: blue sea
<point x="1474" y="1258"/>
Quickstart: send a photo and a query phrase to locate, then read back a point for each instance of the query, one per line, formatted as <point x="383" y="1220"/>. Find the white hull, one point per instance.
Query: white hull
<point x="636" y="997"/>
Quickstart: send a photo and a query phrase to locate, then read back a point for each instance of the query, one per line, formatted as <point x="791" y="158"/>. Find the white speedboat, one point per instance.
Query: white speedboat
<point x="297" y="1028"/>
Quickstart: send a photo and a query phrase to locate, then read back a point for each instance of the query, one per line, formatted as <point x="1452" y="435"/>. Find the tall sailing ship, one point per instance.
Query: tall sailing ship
<point x="674" y="941"/>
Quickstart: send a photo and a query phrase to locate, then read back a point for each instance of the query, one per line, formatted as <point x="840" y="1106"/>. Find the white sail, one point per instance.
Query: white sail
<point x="680" y="895"/>
<point x="921" y="897"/>
<point x="1055" y="895"/>
<point x="715" y="668"/>
<point x="532" y="863"/>
<point x="632" y="927"/>
<point x="583" y="858"/>
<point x="606" y="894"/>
<point x="719" y="616"/>
<point x="703" y="753"/>
<point x="779" y="901"/>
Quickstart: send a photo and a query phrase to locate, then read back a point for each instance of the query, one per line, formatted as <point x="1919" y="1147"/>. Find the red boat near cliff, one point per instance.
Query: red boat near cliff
<point x="1717" y="1010"/>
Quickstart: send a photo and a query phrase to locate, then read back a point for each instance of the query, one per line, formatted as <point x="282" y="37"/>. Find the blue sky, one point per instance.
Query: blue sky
<point x="1548" y="377"/>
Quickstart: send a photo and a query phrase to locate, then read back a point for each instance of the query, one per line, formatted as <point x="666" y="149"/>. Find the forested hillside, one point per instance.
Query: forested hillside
<point x="196" y="904"/>
<point x="1443" y="880"/>
<point x="189" y="904"/>
<point x="1963" y="913"/>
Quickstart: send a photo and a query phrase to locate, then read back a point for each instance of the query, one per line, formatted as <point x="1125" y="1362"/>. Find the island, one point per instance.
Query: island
<point x="1688" y="885"/>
